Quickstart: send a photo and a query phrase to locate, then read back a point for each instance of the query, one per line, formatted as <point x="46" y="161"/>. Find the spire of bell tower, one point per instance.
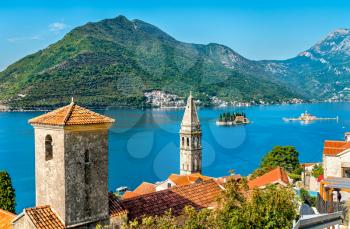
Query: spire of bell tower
<point x="190" y="140"/>
<point x="190" y="119"/>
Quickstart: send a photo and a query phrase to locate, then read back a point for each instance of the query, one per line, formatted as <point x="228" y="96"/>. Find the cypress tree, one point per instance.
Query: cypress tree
<point x="7" y="193"/>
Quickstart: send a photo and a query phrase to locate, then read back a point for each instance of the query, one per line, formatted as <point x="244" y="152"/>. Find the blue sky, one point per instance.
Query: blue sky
<point x="257" y="29"/>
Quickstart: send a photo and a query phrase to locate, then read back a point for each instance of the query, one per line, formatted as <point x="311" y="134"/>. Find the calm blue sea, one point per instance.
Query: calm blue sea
<point x="144" y="143"/>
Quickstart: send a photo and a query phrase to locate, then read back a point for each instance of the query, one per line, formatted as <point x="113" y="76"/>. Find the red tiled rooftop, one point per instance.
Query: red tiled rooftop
<point x="71" y="114"/>
<point x="277" y="175"/>
<point x="6" y="219"/>
<point x="44" y="218"/>
<point x="187" y="179"/>
<point x="143" y="188"/>
<point x="130" y="194"/>
<point x="115" y="207"/>
<point x="333" y="148"/>
<point x="201" y="195"/>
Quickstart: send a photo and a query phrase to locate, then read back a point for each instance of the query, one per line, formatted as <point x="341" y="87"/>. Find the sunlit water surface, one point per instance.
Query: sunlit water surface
<point x="144" y="144"/>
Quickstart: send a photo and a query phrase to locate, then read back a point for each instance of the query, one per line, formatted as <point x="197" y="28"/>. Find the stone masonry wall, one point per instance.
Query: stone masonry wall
<point x="86" y="178"/>
<point x="50" y="174"/>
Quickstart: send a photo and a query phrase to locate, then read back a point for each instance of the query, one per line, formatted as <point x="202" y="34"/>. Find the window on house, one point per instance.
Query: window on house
<point x="183" y="141"/>
<point x="48" y="148"/>
<point x="188" y="142"/>
<point x="346" y="172"/>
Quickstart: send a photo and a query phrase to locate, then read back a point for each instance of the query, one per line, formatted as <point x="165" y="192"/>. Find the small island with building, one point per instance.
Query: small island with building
<point x="232" y="119"/>
<point x="307" y="117"/>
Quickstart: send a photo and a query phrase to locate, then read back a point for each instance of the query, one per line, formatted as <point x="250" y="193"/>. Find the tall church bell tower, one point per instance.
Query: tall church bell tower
<point x="190" y="140"/>
<point x="71" y="164"/>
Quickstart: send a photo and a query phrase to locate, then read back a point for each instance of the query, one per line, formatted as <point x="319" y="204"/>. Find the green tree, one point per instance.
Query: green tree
<point x="286" y="157"/>
<point x="282" y="156"/>
<point x="7" y="193"/>
<point x="317" y="170"/>
<point x="273" y="207"/>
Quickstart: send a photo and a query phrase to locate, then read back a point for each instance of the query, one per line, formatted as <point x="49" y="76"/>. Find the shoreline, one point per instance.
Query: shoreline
<point x="8" y="109"/>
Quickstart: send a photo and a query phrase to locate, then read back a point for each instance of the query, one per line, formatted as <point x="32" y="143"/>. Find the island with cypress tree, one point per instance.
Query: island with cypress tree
<point x="232" y="119"/>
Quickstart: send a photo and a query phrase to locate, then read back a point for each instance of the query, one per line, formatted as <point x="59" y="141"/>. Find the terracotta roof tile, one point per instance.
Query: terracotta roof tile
<point x="44" y="218"/>
<point x="143" y="188"/>
<point x="71" y="114"/>
<point x="199" y="196"/>
<point x="130" y="194"/>
<point x="115" y="206"/>
<point x="333" y="148"/>
<point x="276" y="175"/>
<point x="187" y="179"/>
<point x="6" y="219"/>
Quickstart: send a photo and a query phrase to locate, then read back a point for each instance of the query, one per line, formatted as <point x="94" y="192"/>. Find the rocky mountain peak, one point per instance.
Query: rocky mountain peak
<point x="336" y="42"/>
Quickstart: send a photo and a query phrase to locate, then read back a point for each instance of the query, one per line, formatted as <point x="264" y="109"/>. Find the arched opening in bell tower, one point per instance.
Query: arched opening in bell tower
<point x="48" y="148"/>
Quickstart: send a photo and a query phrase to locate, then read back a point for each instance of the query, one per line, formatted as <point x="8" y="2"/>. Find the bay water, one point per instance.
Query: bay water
<point x="144" y="144"/>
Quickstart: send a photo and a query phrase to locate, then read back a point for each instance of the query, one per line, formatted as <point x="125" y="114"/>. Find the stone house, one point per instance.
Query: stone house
<point x="336" y="158"/>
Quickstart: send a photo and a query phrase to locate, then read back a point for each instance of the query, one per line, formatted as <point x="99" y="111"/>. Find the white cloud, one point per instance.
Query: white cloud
<point x="57" y="26"/>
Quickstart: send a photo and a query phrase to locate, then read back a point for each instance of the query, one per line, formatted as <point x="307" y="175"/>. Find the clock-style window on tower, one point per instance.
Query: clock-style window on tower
<point x="48" y="148"/>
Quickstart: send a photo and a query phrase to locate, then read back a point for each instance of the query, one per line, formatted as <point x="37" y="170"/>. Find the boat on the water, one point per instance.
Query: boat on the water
<point x="307" y="117"/>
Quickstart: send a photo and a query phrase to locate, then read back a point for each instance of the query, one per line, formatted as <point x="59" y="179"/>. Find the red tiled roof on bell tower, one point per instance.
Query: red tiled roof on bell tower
<point x="71" y="114"/>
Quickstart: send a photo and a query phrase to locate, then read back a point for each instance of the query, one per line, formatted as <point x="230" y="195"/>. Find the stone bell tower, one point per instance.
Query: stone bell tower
<point x="71" y="165"/>
<point x="190" y="140"/>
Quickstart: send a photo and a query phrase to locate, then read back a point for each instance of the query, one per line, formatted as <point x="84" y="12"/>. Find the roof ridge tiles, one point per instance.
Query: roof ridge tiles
<point x="71" y="114"/>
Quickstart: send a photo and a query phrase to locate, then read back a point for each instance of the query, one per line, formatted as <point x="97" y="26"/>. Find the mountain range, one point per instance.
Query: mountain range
<point x="113" y="62"/>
